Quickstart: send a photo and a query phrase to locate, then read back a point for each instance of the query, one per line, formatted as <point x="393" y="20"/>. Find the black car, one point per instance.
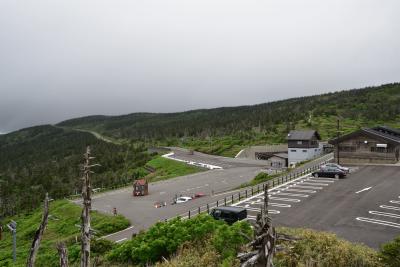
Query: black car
<point x="329" y="172"/>
<point x="229" y="214"/>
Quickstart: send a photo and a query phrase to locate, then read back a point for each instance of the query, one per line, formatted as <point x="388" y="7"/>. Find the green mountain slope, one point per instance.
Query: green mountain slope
<point x="47" y="159"/>
<point x="360" y="106"/>
<point x="225" y="131"/>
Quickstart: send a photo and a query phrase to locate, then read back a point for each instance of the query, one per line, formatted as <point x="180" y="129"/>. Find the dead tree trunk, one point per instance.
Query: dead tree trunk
<point x="39" y="234"/>
<point x="263" y="246"/>
<point x="87" y="205"/>
<point x="62" y="251"/>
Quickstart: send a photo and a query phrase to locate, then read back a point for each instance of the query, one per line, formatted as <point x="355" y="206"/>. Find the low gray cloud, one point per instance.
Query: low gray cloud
<point x="62" y="59"/>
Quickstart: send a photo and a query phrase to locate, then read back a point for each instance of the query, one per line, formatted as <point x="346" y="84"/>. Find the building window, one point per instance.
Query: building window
<point x="314" y="143"/>
<point x="378" y="149"/>
<point x="299" y="142"/>
<point x="293" y="150"/>
<point x="315" y="149"/>
<point x="347" y="148"/>
<point x="304" y="150"/>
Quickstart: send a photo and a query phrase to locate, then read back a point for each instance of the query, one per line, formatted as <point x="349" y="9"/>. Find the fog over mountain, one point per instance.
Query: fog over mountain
<point x="64" y="59"/>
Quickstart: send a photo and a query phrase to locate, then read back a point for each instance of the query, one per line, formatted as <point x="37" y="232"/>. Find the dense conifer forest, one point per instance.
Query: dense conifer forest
<point x="47" y="158"/>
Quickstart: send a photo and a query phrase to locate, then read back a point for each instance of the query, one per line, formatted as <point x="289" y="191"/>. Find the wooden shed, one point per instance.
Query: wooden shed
<point x="140" y="188"/>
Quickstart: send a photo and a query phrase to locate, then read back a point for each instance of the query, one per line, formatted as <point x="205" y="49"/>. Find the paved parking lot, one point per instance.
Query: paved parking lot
<point x="365" y="207"/>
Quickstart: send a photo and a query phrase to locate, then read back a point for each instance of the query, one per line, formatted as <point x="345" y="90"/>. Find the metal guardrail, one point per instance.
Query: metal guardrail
<point x="253" y="190"/>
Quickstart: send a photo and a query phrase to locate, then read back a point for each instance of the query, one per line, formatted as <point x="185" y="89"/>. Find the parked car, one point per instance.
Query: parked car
<point x="329" y="172"/>
<point x="197" y="195"/>
<point x="229" y="214"/>
<point x="182" y="200"/>
<point x="340" y="167"/>
<point x="160" y="204"/>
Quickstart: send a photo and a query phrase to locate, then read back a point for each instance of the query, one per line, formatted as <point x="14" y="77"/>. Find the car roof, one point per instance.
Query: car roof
<point x="235" y="209"/>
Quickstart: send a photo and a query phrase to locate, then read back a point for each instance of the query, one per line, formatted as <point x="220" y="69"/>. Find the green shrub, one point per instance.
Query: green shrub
<point x="324" y="249"/>
<point x="163" y="239"/>
<point x="390" y="253"/>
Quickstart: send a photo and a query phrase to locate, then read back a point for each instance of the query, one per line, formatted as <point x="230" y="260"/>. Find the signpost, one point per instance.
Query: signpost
<point x="13" y="228"/>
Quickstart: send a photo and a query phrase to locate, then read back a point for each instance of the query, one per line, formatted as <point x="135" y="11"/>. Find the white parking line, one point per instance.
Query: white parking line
<point x="285" y="199"/>
<point x="307" y="187"/>
<point x="393" y="215"/>
<point x="386" y="223"/>
<point x="302" y="191"/>
<point x="389" y="207"/>
<point x="279" y="205"/>
<point x="325" y="181"/>
<point x="291" y="195"/>
<point x="394" y="202"/>
<point x="315" y="184"/>
<point x="365" y="189"/>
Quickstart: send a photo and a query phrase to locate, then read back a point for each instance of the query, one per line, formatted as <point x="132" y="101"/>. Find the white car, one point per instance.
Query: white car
<point x="337" y="166"/>
<point x="182" y="200"/>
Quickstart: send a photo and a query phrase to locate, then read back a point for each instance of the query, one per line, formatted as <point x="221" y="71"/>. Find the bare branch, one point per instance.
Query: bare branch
<point x="39" y="234"/>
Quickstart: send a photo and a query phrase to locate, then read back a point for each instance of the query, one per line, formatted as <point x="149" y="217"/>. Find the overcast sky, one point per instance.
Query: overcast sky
<point x="71" y="58"/>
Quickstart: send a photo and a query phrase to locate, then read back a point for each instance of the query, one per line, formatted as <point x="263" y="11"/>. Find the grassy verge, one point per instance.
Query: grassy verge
<point x="61" y="227"/>
<point x="168" y="168"/>
<point x="261" y="178"/>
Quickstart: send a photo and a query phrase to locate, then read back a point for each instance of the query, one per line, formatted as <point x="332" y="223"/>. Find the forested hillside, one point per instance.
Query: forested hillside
<point x="369" y="105"/>
<point x="47" y="159"/>
<point x="225" y="131"/>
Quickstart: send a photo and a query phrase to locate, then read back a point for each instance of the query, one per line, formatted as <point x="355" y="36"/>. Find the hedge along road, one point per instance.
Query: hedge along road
<point x="214" y="183"/>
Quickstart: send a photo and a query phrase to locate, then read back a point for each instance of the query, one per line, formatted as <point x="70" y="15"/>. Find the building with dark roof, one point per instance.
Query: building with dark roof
<point x="303" y="146"/>
<point x="379" y="144"/>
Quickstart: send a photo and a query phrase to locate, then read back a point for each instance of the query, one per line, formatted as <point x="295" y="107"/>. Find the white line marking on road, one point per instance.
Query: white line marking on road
<point x="386" y="223"/>
<point x="279" y="205"/>
<point x="285" y="199"/>
<point x="393" y="215"/>
<point x="315" y="184"/>
<point x="291" y="195"/>
<point x="389" y="207"/>
<point x="302" y="191"/>
<point x="365" y="189"/>
<point x="123" y="239"/>
<point x="307" y="187"/>
<point x="276" y="205"/>
<point x="117" y="232"/>
<point x="325" y="181"/>
<point x="394" y="202"/>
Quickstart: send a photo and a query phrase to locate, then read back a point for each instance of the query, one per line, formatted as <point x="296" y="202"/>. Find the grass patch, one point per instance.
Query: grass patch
<point x="61" y="227"/>
<point x="324" y="249"/>
<point x="168" y="168"/>
<point x="261" y="178"/>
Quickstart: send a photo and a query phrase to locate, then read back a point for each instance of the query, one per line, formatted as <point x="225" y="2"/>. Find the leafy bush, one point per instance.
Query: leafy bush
<point x="390" y="253"/>
<point x="163" y="239"/>
<point x="324" y="249"/>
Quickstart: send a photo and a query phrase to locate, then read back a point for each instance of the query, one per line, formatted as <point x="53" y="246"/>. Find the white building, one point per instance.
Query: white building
<point x="303" y="146"/>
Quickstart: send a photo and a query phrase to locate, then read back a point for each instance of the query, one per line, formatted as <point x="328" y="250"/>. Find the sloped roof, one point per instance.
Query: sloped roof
<point x="303" y="135"/>
<point x="385" y="133"/>
<point x="282" y="155"/>
<point x="140" y="182"/>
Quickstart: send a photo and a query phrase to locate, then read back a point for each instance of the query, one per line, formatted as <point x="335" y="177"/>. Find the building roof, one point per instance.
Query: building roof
<point x="303" y="135"/>
<point x="384" y="133"/>
<point x="282" y="155"/>
<point x="140" y="182"/>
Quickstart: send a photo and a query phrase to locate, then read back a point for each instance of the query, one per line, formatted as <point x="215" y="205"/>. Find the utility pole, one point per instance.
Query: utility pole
<point x="338" y="135"/>
<point x="13" y="228"/>
<point x="87" y="206"/>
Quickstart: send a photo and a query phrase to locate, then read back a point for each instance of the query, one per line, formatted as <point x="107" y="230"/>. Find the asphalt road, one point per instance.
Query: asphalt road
<point x="364" y="207"/>
<point x="141" y="211"/>
<point x="216" y="184"/>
